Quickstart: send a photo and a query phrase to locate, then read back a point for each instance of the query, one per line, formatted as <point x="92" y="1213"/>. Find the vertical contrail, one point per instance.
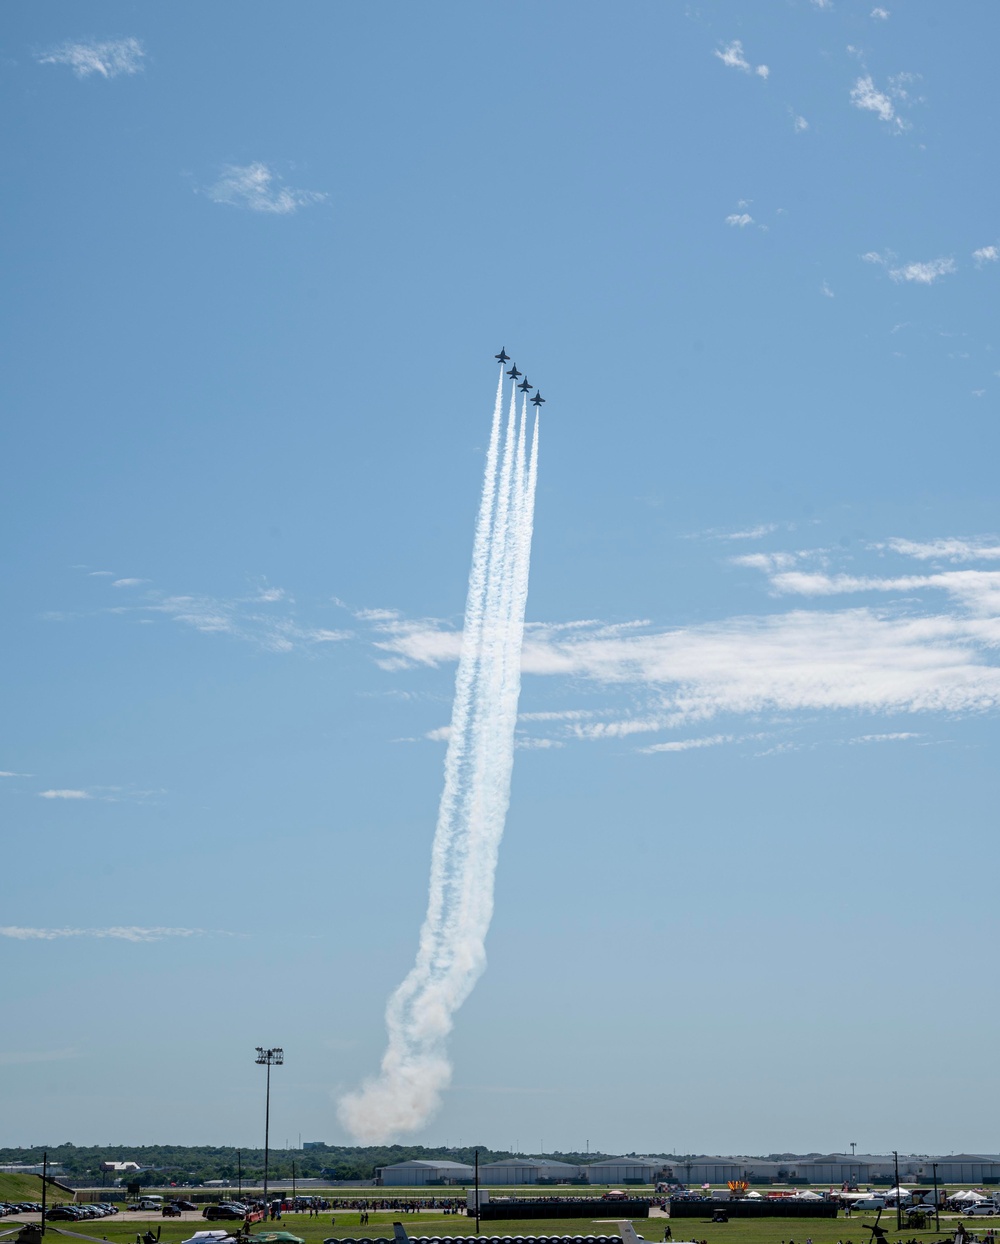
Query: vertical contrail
<point x="451" y="954"/>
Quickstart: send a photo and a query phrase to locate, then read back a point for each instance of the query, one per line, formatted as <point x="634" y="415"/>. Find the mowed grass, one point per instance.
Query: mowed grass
<point x="25" y="1188"/>
<point x="123" y="1229"/>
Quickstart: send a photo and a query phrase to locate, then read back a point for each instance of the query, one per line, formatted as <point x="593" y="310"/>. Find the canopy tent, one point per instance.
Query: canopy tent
<point x="899" y="1192"/>
<point x="968" y="1196"/>
<point x="807" y="1196"/>
<point x="754" y="1196"/>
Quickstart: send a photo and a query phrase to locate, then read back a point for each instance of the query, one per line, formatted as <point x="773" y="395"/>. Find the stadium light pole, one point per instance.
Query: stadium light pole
<point x="268" y="1058"/>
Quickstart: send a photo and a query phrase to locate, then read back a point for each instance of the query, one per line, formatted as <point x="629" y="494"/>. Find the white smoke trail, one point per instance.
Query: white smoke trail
<point x="451" y="954"/>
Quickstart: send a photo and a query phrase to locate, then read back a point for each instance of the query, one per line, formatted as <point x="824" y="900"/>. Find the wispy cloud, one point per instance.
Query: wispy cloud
<point x="896" y="736"/>
<point x="925" y="273"/>
<point x="686" y="745"/>
<point x="10" y="773"/>
<point x="732" y="54"/>
<point x="826" y="291"/>
<point x="107" y="58"/>
<point x="950" y="548"/>
<point x="866" y="96"/>
<point x="63" y="794"/>
<point x="256" y="187"/>
<point x="121" y="933"/>
<point x="799" y="124"/>
<point x="129" y="582"/>
<point x="739" y="221"/>
<point x="985" y="255"/>
<point x="880" y="14"/>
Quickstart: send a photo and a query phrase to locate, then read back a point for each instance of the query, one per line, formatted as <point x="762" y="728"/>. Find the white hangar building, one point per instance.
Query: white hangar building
<point x="528" y="1171"/>
<point x="624" y="1170"/>
<point x="417" y="1174"/>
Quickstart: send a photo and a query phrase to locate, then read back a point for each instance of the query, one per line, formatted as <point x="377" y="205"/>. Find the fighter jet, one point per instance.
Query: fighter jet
<point x="525" y="385"/>
<point x="503" y="356"/>
<point x="513" y="372"/>
<point x="538" y="400"/>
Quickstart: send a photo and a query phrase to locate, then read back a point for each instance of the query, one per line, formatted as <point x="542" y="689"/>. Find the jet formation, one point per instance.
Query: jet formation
<point x="514" y="374"/>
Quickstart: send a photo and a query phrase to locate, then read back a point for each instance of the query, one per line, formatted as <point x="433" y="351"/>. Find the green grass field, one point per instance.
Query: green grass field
<point x="25" y="1188"/>
<point x="123" y="1229"/>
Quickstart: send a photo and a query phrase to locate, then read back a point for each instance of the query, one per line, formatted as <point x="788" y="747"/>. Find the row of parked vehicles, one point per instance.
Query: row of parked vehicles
<point x="79" y="1213"/>
<point x="19" y="1207"/>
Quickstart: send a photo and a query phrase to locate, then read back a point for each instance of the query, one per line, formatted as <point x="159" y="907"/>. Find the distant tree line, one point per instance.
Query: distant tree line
<point x="195" y="1164"/>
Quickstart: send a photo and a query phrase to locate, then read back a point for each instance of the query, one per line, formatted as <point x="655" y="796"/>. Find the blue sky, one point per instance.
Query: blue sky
<point x="258" y="263"/>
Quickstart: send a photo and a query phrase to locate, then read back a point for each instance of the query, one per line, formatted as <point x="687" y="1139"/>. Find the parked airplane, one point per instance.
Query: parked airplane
<point x="503" y="356"/>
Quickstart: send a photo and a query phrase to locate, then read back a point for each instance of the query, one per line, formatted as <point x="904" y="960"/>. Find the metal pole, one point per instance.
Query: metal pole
<point x="267" y="1131"/>
<point x="477" y="1192"/>
<point x="899" y="1208"/>
<point x="937" y="1212"/>
<point x="45" y="1184"/>
<point x="293" y="1183"/>
<point x="239" y="1171"/>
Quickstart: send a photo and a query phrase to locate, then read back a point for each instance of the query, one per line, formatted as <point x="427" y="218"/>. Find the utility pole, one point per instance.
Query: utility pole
<point x="239" y="1171"/>
<point x="937" y="1212"/>
<point x="899" y="1208"/>
<point x="854" y="1145"/>
<point x="293" y="1183"/>
<point x="45" y="1184"/>
<point x="477" y="1192"/>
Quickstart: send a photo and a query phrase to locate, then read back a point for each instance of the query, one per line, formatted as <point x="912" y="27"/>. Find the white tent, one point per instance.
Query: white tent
<point x="754" y="1196"/>
<point x="807" y="1196"/>
<point x="970" y="1197"/>
<point x="899" y="1192"/>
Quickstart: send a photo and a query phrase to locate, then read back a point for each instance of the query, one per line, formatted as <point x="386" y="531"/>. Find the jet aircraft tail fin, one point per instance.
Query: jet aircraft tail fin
<point x="628" y="1233"/>
<point x="399" y="1231"/>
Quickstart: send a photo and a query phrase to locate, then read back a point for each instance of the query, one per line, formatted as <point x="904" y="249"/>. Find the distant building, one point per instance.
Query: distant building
<point x="314" y="1144"/>
<point x="625" y="1170"/>
<point x="417" y="1174"/>
<point x="121" y="1168"/>
<point x="53" y="1168"/>
<point x="528" y="1171"/>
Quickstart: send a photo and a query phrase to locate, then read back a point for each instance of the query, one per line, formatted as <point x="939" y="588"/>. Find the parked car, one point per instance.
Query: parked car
<point x="222" y="1213"/>
<point x="981" y="1208"/>
<point x="62" y="1213"/>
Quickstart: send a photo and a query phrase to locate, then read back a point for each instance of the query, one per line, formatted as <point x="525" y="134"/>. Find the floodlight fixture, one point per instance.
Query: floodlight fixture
<point x="268" y="1058"/>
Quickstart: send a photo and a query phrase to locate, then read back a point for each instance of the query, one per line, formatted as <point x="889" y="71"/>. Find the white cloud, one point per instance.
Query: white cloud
<point x="9" y="773"/>
<point x="129" y="582"/>
<point x="256" y="187"/>
<point x="122" y="933"/>
<point x="800" y="125"/>
<point x="101" y="574"/>
<point x="897" y="736"/>
<point x="108" y="58"/>
<point x="865" y="96"/>
<point x="63" y="794"/>
<point x="740" y="221"/>
<point x="986" y="254"/>
<point x="685" y="745"/>
<point x="440" y="735"/>
<point x="750" y="533"/>
<point x="924" y="273"/>
<point x="874" y="257"/>
<point x="880" y="14"/>
<point x="822" y="4"/>
<point x="733" y="56"/>
<point x="949" y="549"/>
<point x="826" y="291"/>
